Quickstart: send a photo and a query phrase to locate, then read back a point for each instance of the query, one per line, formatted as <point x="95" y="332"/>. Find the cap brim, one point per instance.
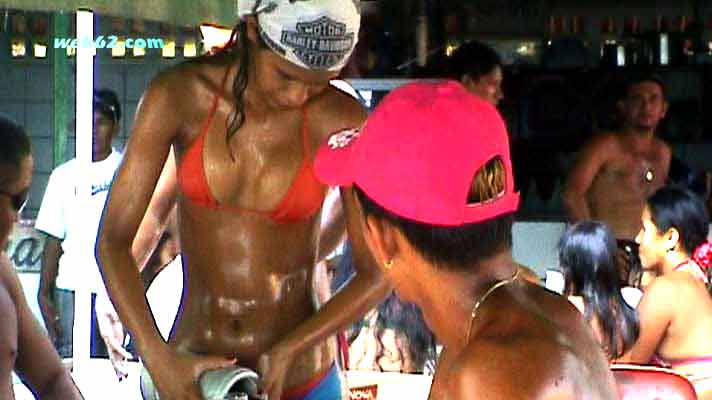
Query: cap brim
<point x="333" y="166"/>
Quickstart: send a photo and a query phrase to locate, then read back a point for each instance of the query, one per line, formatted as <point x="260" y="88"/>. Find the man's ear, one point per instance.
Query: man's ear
<point x="665" y="109"/>
<point x="381" y="239"/>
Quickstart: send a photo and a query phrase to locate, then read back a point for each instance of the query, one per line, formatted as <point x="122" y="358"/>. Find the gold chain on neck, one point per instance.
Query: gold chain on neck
<point x="482" y="299"/>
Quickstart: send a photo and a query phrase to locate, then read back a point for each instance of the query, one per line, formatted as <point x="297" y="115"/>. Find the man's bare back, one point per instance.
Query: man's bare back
<point x="25" y="347"/>
<point x="535" y="333"/>
<point x="8" y="341"/>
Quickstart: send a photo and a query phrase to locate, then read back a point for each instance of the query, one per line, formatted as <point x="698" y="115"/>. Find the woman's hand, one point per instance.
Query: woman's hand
<point x="176" y="376"/>
<point x="272" y="368"/>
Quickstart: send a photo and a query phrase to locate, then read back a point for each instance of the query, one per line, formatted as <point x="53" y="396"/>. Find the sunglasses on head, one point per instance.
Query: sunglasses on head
<point x="18" y="201"/>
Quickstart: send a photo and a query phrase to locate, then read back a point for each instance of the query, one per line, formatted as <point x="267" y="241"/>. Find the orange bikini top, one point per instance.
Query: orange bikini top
<point x="303" y="199"/>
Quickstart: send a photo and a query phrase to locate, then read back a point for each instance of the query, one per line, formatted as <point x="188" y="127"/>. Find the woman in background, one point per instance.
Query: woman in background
<point x="587" y="256"/>
<point x="676" y="310"/>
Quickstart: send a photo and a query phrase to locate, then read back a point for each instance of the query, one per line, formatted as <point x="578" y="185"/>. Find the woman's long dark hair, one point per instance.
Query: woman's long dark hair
<point x="587" y="256"/>
<point x="237" y="48"/>
<point x="676" y="207"/>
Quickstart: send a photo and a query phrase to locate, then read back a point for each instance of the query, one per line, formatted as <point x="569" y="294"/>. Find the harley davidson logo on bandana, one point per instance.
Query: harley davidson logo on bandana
<point x="319" y="44"/>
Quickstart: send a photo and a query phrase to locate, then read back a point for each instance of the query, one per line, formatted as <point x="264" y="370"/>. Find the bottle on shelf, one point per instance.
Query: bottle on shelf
<point x="555" y="28"/>
<point x="612" y="50"/>
<point x="689" y="41"/>
<point x="578" y="29"/>
<point x="633" y="43"/>
<point x="661" y="42"/>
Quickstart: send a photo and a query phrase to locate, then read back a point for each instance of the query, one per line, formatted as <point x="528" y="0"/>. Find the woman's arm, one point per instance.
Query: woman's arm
<point x="333" y="227"/>
<point x="152" y="226"/>
<point x="157" y="215"/>
<point x="368" y="288"/>
<point x="131" y="191"/>
<point x="156" y="126"/>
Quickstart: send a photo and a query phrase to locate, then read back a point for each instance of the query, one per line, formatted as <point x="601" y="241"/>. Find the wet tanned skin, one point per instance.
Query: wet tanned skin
<point x="248" y="283"/>
<point x="541" y="350"/>
<point x="526" y="343"/>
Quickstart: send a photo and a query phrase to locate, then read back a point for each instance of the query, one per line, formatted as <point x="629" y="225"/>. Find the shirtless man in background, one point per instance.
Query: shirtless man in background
<point x="24" y="346"/>
<point x="617" y="171"/>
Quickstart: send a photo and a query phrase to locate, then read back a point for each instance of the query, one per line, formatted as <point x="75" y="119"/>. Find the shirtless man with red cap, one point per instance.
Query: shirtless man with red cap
<point x="432" y="173"/>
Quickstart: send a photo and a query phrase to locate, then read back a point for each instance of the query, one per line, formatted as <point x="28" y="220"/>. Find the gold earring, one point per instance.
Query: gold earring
<point x="389" y="264"/>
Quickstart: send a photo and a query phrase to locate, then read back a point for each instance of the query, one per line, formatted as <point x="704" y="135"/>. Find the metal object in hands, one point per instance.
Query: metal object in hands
<point x="234" y="383"/>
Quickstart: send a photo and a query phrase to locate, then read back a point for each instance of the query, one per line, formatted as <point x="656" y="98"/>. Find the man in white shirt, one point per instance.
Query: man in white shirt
<point x="68" y="261"/>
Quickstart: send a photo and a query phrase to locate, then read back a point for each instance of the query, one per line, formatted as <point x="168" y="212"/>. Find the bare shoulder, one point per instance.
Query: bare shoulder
<point x="6" y="269"/>
<point x="8" y="276"/>
<point x="663" y="149"/>
<point x="661" y="294"/>
<point x="179" y="76"/>
<point x="600" y="148"/>
<point x="662" y="286"/>
<point x="527" y="366"/>
<point x="487" y="367"/>
<point x="604" y="141"/>
<point x="334" y="110"/>
<point x="168" y="106"/>
<point x="182" y="82"/>
<point x="7" y="289"/>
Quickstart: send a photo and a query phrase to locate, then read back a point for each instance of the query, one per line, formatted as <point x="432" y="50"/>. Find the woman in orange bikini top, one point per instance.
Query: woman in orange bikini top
<point x="304" y="196"/>
<point x="244" y="125"/>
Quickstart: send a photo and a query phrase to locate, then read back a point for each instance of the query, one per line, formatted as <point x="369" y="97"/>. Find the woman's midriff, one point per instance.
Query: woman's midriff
<point x="249" y="285"/>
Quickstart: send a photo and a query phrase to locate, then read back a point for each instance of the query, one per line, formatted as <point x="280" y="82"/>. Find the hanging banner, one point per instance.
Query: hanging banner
<point x="25" y="246"/>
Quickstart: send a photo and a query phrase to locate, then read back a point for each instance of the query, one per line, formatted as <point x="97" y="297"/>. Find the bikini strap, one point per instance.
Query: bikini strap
<point x="214" y="106"/>
<point x="682" y="264"/>
<point x="305" y="132"/>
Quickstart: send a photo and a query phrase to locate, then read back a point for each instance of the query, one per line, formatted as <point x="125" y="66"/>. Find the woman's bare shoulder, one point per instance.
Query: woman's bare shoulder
<point x="176" y="91"/>
<point x="189" y="79"/>
<point x="335" y="110"/>
<point x="661" y="295"/>
<point x="664" y="284"/>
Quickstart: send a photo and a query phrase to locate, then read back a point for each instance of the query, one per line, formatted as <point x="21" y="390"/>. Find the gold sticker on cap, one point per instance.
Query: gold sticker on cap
<point x="342" y="138"/>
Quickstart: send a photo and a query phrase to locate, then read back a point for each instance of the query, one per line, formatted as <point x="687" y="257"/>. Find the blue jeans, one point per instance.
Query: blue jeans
<point x="65" y="308"/>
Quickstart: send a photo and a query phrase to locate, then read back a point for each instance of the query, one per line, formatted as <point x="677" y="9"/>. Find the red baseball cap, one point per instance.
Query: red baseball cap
<point x="418" y="153"/>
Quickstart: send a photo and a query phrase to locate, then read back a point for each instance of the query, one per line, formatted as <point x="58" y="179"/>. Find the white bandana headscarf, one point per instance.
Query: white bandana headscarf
<point x="314" y="34"/>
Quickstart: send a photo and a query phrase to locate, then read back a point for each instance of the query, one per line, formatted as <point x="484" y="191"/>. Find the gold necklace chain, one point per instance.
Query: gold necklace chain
<point x="482" y="299"/>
